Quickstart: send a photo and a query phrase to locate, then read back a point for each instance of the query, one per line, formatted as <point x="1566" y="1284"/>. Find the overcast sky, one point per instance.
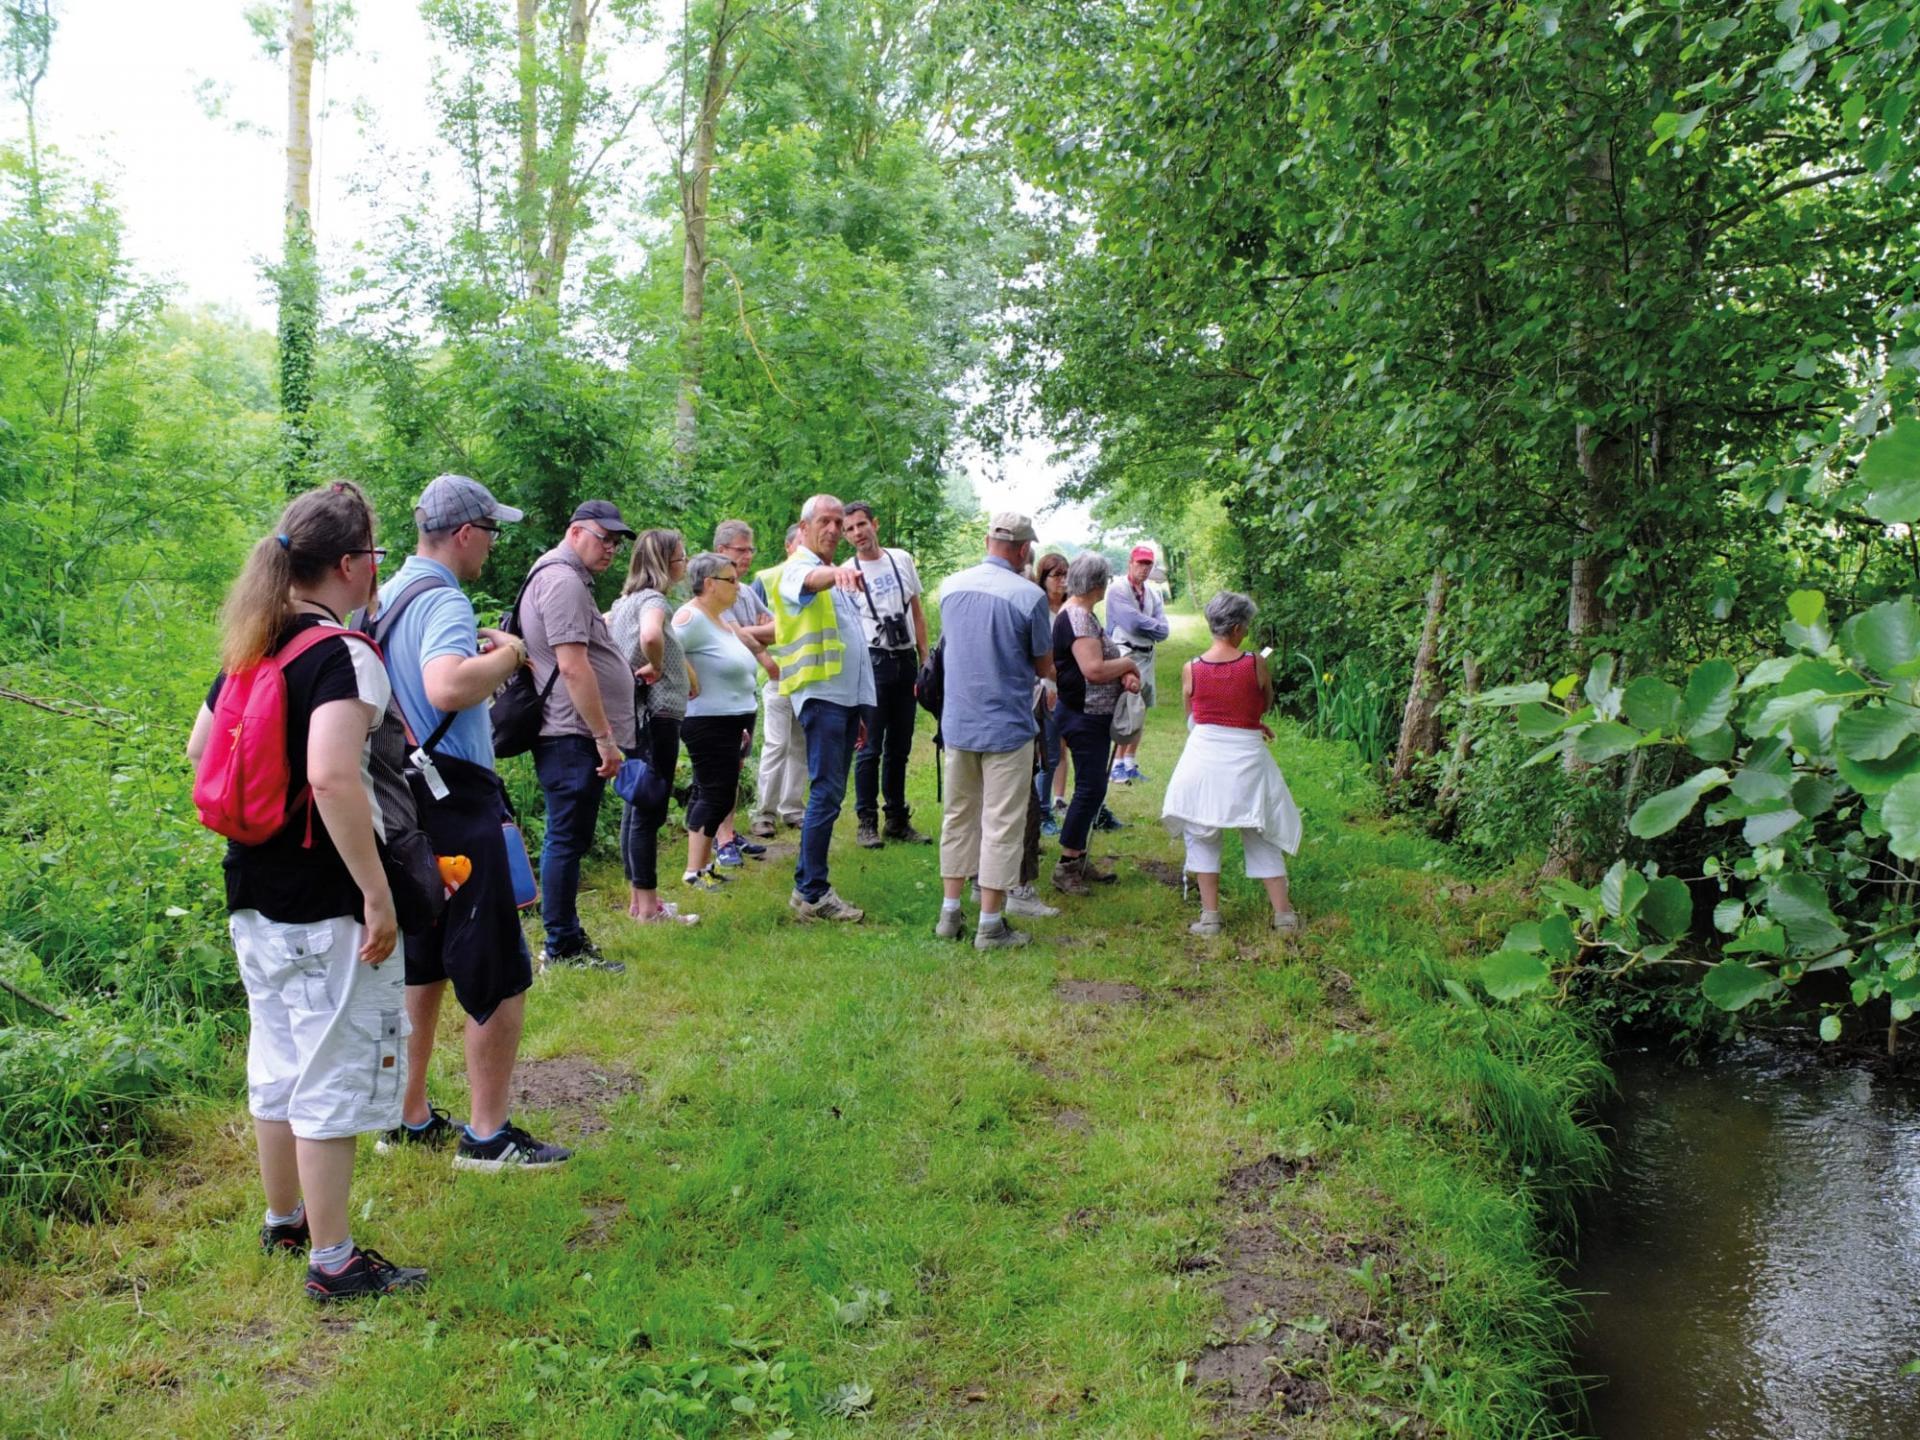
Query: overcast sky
<point x="127" y="98"/>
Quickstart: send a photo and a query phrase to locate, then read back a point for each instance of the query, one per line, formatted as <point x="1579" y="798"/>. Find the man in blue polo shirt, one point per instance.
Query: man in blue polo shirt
<point x="444" y="671"/>
<point x="997" y="629"/>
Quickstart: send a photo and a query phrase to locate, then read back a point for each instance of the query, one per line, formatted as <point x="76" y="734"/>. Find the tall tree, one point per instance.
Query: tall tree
<point x="29" y="43"/>
<point x="299" y="279"/>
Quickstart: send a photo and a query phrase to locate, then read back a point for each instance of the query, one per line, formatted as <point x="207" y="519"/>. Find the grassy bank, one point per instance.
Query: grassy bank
<point x="1118" y="1183"/>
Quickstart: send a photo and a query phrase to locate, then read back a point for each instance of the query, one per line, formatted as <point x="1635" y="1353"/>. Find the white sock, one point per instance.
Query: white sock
<point x="989" y="919"/>
<point x="950" y="904"/>
<point x="332" y="1257"/>
<point x="299" y="1209"/>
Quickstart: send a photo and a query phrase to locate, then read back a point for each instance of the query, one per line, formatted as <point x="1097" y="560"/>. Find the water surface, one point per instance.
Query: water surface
<point x="1756" y="1264"/>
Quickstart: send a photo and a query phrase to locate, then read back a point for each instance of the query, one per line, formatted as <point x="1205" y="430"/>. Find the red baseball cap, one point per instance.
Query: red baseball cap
<point x="1143" y="552"/>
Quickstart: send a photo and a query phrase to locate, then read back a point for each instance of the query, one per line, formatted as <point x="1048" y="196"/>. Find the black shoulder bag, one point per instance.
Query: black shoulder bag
<point x="519" y="704"/>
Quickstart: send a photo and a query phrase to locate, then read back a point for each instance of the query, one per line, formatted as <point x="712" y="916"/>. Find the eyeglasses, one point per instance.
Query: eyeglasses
<point x="483" y="526"/>
<point x="378" y="553"/>
<point x="612" y="542"/>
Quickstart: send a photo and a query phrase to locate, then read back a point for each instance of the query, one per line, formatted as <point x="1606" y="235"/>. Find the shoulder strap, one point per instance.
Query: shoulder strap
<point x="513" y="614"/>
<point x="388" y="618"/>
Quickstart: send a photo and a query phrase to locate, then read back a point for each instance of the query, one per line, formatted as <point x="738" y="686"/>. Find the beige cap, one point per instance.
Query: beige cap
<point x="1011" y="525"/>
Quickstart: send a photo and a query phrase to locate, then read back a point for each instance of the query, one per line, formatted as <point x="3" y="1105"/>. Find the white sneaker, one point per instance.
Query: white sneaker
<point x="828" y="907"/>
<point x="1023" y="901"/>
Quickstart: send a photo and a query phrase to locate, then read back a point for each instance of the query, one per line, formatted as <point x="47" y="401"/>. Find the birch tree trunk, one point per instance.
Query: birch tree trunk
<point x="1420" y="725"/>
<point x="526" y="198"/>
<point x="563" y="192"/>
<point x="299" y="319"/>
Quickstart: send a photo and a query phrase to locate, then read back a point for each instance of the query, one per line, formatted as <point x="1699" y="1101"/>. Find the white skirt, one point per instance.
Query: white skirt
<point x="1227" y="780"/>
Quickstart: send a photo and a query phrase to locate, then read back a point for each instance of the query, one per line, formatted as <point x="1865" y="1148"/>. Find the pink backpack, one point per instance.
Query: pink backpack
<point x="240" y="789"/>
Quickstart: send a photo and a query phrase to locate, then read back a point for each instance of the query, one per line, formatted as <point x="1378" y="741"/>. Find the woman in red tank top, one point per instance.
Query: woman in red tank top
<point x="1226" y="779"/>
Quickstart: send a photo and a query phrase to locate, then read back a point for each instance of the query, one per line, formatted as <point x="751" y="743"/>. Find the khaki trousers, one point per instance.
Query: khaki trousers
<point x="983" y="829"/>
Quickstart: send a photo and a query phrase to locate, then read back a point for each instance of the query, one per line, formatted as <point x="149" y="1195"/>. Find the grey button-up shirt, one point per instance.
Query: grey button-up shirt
<point x="995" y="623"/>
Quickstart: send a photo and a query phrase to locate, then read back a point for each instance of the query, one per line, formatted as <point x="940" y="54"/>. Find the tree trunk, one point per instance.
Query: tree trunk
<point x="563" y="193"/>
<point x="1420" y="724"/>
<point x="527" y="189"/>
<point x="1448" y="800"/>
<point x="695" y="185"/>
<point x="299" y="278"/>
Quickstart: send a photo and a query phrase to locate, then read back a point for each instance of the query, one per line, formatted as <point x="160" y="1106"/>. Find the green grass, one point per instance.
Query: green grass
<point x="1036" y="1185"/>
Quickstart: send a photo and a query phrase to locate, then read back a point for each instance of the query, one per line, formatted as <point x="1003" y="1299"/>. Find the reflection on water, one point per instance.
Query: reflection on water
<point x="1755" y="1267"/>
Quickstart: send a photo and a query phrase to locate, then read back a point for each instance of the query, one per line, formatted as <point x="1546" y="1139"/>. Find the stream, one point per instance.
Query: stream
<point x="1753" y="1273"/>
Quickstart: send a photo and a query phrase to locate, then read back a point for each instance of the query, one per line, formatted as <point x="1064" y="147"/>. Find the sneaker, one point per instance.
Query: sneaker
<point x="512" y="1149"/>
<point x="1209" y="923"/>
<point x="749" y="849"/>
<point x="729" y="855"/>
<point x="1118" y="775"/>
<point x="952" y="924"/>
<point x="705" y="881"/>
<point x="434" y="1134"/>
<point x="765" y="827"/>
<point x="1107" y="820"/>
<point x="1287" y="922"/>
<point x="1134" y="773"/>
<point x="904" y="832"/>
<point x="868" y="837"/>
<point x="1050" y="827"/>
<point x="828" y="907"/>
<point x="1067" y="877"/>
<point x="1000" y="936"/>
<point x="587" y="957"/>
<point x="367" y="1272"/>
<point x="288" y="1239"/>
<point x="1025" y="901"/>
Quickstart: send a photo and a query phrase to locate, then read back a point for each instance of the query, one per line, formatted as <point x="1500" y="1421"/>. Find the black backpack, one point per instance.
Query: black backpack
<point x="930" y="692"/>
<point x="519" y="704"/>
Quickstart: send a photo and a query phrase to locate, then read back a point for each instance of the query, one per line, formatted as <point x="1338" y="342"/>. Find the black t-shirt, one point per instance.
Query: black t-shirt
<point x="285" y="878"/>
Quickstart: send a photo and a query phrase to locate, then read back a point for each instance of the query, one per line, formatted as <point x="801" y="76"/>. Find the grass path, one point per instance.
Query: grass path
<point x="854" y="1180"/>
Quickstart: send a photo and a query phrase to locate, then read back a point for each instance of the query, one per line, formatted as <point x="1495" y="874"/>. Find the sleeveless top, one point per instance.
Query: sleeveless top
<point x="1227" y="693"/>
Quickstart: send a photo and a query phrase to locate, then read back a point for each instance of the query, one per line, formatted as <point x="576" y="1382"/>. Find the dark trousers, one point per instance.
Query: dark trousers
<point x="640" y="829"/>
<point x="1036" y="809"/>
<point x="1049" y="743"/>
<point x="830" y="729"/>
<point x="566" y="766"/>
<point x="880" y="767"/>
<point x="1088" y="739"/>
<point x="714" y="750"/>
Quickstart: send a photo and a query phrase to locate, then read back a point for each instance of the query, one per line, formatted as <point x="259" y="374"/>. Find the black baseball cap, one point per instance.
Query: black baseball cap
<point x="606" y="515"/>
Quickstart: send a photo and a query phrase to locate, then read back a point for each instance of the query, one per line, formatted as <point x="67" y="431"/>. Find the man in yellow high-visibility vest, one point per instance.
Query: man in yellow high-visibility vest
<point x="821" y="650"/>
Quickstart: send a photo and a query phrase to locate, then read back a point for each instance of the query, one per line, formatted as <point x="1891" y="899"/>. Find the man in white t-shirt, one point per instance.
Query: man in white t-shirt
<point x="896" y="632"/>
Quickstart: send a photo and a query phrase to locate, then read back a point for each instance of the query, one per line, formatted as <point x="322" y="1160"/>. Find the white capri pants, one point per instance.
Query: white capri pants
<point x="326" y="1049"/>
<point x="1265" y="860"/>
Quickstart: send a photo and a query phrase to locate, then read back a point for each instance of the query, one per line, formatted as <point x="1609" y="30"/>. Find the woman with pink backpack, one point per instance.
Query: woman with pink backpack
<point x="282" y="751"/>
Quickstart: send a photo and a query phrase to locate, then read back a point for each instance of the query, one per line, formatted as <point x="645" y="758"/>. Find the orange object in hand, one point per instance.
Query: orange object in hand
<point x="454" y="871"/>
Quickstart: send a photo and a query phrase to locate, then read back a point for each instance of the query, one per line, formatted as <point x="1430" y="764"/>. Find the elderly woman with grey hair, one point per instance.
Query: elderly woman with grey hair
<point x="1226" y="778"/>
<point x="1090" y="672"/>
<point x="719" y="726"/>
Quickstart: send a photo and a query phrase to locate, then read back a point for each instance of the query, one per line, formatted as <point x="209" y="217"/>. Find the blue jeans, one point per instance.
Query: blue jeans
<point x="567" y="766"/>
<point x="830" y="729"/>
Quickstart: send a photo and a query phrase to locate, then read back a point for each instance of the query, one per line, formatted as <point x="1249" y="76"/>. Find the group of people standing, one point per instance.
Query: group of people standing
<point x="1026" y="678"/>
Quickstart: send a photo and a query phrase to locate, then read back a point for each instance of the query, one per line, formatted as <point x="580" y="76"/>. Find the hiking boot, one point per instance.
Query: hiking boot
<point x="729" y="855"/>
<point x="999" y="936"/>
<point x="367" y="1272"/>
<point x="288" y="1239"/>
<point x="868" y="837"/>
<point x="765" y="827"/>
<point x="952" y="924"/>
<point x="1024" y="901"/>
<point x="794" y="822"/>
<point x="1094" y="873"/>
<point x="1209" y="923"/>
<point x="587" y="957"/>
<point x="828" y="907"/>
<point x="904" y="832"/>
<point x="1287" y="922"/>
<point x="434" y="1134"/>
<point x="1068" y="877"/>
<point x="512" y="1149"/>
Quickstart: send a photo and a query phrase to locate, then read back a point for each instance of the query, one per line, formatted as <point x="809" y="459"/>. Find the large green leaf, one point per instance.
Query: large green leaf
<point x="1537" y="721"/>
<point x="1668" y="906"/>
<point x="1709" y="697"/>
<point x="1891" y="471"/>
<point x="1534" y="692"/>
<point x="1872" y="732"/>
<point x="1653" y="704"/>
<point x="1660" y="813"/>
<point x="1733" y="986"/>
<point x="1900" y="814"/>
<point x="1886" y="639"/>
<point x="1604" y="740"/>
<point x="1557" y="937"/>
<point x="1508" y="974"/>
<point x="1876" y="777"/>
<point x="1799" y="903"/>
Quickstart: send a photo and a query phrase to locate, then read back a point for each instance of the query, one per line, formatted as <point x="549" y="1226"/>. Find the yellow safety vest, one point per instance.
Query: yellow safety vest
<point x="806" y="642"/>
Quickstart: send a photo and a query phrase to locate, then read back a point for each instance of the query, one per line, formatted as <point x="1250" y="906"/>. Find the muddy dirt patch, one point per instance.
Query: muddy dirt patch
<point x="598" y="1218"/>
<point x="1074" y="1122"/>
<point x="1099" y="992"/>
<point x="1164" y="871"/>
<point x="578" y="1090"/>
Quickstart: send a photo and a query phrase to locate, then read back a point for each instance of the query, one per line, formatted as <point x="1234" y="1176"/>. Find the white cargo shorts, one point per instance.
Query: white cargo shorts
<point x="327" y="1048"/>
